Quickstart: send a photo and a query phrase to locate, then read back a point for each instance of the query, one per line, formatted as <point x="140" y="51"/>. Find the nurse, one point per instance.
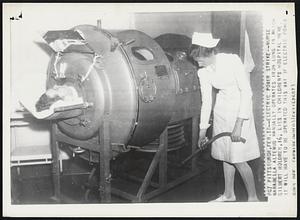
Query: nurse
<point x="232" y="112"/>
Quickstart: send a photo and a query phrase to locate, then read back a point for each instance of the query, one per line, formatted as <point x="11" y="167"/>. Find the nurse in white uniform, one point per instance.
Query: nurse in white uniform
<point x="232" y="112"/>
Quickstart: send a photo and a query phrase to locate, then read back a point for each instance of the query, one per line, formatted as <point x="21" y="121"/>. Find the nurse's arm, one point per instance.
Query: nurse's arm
<point x="237" y="130"/>
<point x="243" y="84"/>
<point x="206" y="96"/>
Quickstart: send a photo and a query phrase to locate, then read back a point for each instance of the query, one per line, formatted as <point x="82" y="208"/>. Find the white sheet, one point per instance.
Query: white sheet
<point x="29" y="102"/>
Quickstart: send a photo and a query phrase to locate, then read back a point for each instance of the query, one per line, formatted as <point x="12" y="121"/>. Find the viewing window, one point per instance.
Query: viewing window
<point x="142" y="53"/>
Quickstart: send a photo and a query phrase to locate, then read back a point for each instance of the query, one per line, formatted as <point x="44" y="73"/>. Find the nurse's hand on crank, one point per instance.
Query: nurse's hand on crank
<point x="237" y="130"/>
<point x="202" y="137"/>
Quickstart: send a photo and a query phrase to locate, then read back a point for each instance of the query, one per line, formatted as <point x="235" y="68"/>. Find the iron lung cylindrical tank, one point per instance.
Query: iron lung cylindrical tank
<point x="127" y="75"/>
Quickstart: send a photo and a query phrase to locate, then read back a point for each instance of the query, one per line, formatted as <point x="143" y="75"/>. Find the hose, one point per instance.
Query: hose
<point x="223" y="134"/>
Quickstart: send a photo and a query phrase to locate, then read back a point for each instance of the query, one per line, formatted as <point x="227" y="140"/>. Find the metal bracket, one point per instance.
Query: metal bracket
<point x="114" y="43"/>
<point x="57" y="58"/>
<point x="120" y="148"/>
<point x="95" y="60"/>
<point x="147" y="90"/>
<point x="108" y="179"/>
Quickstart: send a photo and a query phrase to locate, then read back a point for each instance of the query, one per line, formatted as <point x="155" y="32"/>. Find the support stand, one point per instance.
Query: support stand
<point x="104" y="146"/>
<point x="104" y="158"/>
<point x="55" y="164"/>
<point x="195" y="129"/>
<point x="160" y="161"/>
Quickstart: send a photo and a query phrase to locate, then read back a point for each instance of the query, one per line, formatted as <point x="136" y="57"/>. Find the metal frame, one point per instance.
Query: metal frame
<point x="105" y="189"/>
<point x="104" y="156"/>
<point x="160" y="161"/>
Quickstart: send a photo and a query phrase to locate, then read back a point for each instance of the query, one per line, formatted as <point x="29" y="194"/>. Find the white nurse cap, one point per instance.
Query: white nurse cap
<point x="204" y="40"/>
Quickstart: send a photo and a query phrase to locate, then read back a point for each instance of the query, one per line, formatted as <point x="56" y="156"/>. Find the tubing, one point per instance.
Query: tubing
<point x="223" y="134"/>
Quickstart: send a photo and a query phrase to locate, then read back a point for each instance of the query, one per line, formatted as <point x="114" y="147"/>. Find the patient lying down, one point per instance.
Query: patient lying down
<point x="64" y="93"/>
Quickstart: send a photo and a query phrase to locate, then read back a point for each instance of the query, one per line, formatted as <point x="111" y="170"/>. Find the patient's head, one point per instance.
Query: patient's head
<point x="52" y="95"/>
<point x="45" y="101"/>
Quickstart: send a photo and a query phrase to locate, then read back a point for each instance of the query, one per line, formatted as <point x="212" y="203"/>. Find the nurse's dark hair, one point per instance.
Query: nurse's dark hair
<point x="199" y="51"/>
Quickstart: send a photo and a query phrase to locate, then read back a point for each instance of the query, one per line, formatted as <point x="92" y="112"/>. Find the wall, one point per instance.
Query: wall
<point x="155" y="24"/>
<point x="226" y="26"/>
<point x="254" y="29"/>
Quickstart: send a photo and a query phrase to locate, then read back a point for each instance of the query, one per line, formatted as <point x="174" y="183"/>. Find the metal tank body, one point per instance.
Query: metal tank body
<point x="135" y="92"/>
<point x="125" y="74"/>
<point x="188" y="96"/>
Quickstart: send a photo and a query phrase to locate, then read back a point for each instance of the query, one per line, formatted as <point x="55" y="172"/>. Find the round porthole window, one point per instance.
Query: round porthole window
<point x="142" y="53"/>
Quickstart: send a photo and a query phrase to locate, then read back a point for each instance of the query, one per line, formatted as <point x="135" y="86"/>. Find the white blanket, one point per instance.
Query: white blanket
<point x="29" y="102"/>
